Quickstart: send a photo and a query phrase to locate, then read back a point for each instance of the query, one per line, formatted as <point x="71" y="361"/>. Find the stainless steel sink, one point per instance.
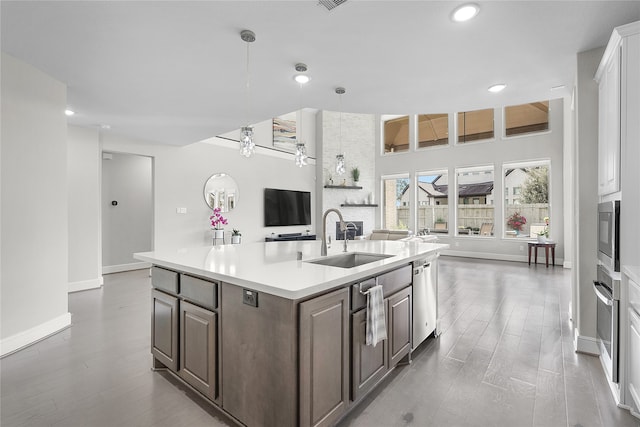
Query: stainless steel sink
<point x="349" y="260"/>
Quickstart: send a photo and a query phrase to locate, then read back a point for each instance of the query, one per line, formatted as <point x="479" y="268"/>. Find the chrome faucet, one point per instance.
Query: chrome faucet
<point x="343" y="228"/>
<point x="346" y="233"/>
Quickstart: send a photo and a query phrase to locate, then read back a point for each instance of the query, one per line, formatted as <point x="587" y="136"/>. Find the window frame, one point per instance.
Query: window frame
<point x="432" y="172"/>
<point x="457" y="142"/>
<point x="474" y="168"/>
<point x="382" y="206"/>
<point x="526" y="164"/>
<point x="527" y="134"/>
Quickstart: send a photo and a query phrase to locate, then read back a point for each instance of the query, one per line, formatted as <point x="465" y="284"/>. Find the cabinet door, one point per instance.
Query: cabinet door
<point x="609" y="127"/>
<point x="399" y="325"/>
<point x="324" y="358"/>
<point x="164" y="329"/>
<point x="198" y="349"/>
<point x="634" y="357"/>
<point x="368" y="364"/>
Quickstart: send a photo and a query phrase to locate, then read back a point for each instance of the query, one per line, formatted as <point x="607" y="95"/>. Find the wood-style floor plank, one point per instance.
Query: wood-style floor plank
<point x="505" y="358"/>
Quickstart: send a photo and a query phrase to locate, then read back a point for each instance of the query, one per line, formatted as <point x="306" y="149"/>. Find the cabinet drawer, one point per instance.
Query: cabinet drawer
<point x="199" y="291"/>
<point x="391" y="282"/>
<point x="634" y="296"/>
<point x="164" y="279"/>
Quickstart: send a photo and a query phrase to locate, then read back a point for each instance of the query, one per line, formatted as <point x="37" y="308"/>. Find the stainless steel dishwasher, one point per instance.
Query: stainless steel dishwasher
<point x="425" y="300"/>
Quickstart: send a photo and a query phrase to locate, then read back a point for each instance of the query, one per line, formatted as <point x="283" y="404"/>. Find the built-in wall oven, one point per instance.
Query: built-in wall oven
<point x="609" y="234"/>
<point x="607" y="290"/>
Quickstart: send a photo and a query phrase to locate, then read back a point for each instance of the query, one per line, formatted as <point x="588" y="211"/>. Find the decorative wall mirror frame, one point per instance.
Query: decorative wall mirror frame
<point x="221" y="191"/>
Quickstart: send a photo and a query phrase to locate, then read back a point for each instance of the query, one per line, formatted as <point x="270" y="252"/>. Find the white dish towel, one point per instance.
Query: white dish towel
<point x="376" y="324"/>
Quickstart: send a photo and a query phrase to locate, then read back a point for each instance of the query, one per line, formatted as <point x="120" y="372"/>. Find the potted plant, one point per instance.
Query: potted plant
<point x="217" y="221"/>
<point x="236" y="236"/>
<point x="516" y="221"/>
<point x="544" y="234"/>
<point x="355" y="175"/>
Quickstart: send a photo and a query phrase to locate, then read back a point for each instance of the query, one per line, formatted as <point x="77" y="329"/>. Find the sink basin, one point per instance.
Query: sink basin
<point x="349" y="260"/>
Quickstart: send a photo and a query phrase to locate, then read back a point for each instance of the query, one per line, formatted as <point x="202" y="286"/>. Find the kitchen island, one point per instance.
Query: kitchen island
<point x="273" y="336"/>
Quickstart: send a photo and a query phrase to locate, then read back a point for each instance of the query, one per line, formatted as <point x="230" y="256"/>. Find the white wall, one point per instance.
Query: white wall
<point x="586" y="205"/>
<point x="179" y="177"/>
<point x="34" y="186"/>
<point x="84" y="209"/>
<point x="501" y="150"/>
<point x="127" y="227"/>
<point x="358" y="146"/>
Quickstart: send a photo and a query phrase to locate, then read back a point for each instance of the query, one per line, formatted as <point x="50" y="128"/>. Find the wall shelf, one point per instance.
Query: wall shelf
<point x="346" y="205"/>
<point x="345" y="187"/>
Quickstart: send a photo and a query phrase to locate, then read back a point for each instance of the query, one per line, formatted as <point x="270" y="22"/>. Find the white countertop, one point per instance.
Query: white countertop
<point x="273" y="267"/>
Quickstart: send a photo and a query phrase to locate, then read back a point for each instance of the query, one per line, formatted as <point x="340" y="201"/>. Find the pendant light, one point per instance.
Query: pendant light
<point x="340" y="167"/>
<point x="301" y="149"/>
<point x="247" y="144"/>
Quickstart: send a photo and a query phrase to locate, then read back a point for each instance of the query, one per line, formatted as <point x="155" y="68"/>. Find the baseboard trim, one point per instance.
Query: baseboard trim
<point x="31" y="336"/>
<point x="497" y="257"/>
<point x="125" y="267"/>
<point x="567" y="264"/>
<point x="584" y="344"/>
<point x="84" y="285"/>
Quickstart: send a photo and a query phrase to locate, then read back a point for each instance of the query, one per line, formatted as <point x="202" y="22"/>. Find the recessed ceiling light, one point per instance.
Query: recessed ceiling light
<point x="302" y="78"/>
<point x="465" y="12"/>
<point x="69" y="112"/>
<point x="497" y="88"/>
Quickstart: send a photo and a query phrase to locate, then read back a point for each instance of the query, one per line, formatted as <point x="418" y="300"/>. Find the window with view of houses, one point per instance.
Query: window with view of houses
<point x="526" y="208"/>
<point x="395" y="214"/>
<point x="433" y="202"/>
<point x="475" y="209"/>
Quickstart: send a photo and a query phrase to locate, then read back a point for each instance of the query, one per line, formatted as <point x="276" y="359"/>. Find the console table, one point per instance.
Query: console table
<point x="288" y="237"/>
<point x="546" y="246"/>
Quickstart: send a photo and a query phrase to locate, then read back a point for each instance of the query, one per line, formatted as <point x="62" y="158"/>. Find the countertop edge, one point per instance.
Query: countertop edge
<point x="356" y="274"/>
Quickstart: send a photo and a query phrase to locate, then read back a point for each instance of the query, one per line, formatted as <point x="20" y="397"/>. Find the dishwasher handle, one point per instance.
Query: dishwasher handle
<point x="420" y="269"/>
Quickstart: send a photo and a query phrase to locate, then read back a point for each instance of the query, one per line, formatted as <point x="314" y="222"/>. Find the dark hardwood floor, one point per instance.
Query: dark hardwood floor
<point x="505" y="358"/>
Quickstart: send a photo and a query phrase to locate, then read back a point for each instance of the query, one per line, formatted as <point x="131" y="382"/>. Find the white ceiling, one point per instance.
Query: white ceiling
<point x="174" y="71"/>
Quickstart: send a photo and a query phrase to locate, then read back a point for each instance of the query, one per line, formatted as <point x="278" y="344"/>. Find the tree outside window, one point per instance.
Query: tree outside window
<point x="532" y="198"/>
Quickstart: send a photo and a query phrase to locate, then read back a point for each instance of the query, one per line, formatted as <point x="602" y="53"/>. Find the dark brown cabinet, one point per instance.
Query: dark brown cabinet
<point x="368" y="364"/>
<point x="164" y="329"/>
<point x="324" y="358"/>
<point x="198" y="348"/>
<point x="399" y="325"/>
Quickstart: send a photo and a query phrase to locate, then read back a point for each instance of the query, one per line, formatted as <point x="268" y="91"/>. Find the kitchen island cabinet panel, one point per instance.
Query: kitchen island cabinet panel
<point x="164" y="329"/>
<point x="400" y="325"/>
<point x="259" y="358"/>
<point x="369" y="364"/>
<point x="324" y="358"/>
<point x="198" y="348"/>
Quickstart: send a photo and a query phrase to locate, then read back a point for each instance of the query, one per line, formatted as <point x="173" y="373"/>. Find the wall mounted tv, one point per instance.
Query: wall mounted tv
<point x="286" y="207"/>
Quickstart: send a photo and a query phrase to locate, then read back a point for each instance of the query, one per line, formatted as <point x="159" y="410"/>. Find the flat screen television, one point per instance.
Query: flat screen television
<point x="286" y="207"/>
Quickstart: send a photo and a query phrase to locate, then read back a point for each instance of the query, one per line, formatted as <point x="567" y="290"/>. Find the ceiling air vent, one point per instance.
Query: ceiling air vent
<point x="331" y="4"/>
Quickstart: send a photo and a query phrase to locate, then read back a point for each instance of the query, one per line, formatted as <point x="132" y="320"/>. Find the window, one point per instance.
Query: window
<point x="396" y="134"/>
<point x="433" y="202"/>
<point x="526" y="212"/>
<point x="526" y="118"/>
<point x="433" y="130"/>
<point x="475" y="125"/>
<point x="475" y="211"/>
<point x="396" y="202"/>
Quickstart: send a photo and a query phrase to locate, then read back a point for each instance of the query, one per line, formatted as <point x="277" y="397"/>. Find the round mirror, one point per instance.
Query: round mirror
<point x="221" y="191"/>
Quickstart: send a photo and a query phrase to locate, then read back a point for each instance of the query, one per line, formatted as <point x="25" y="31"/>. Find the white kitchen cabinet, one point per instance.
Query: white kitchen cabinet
<point x="617" y="108"/>
<point x="609" y="125"/>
